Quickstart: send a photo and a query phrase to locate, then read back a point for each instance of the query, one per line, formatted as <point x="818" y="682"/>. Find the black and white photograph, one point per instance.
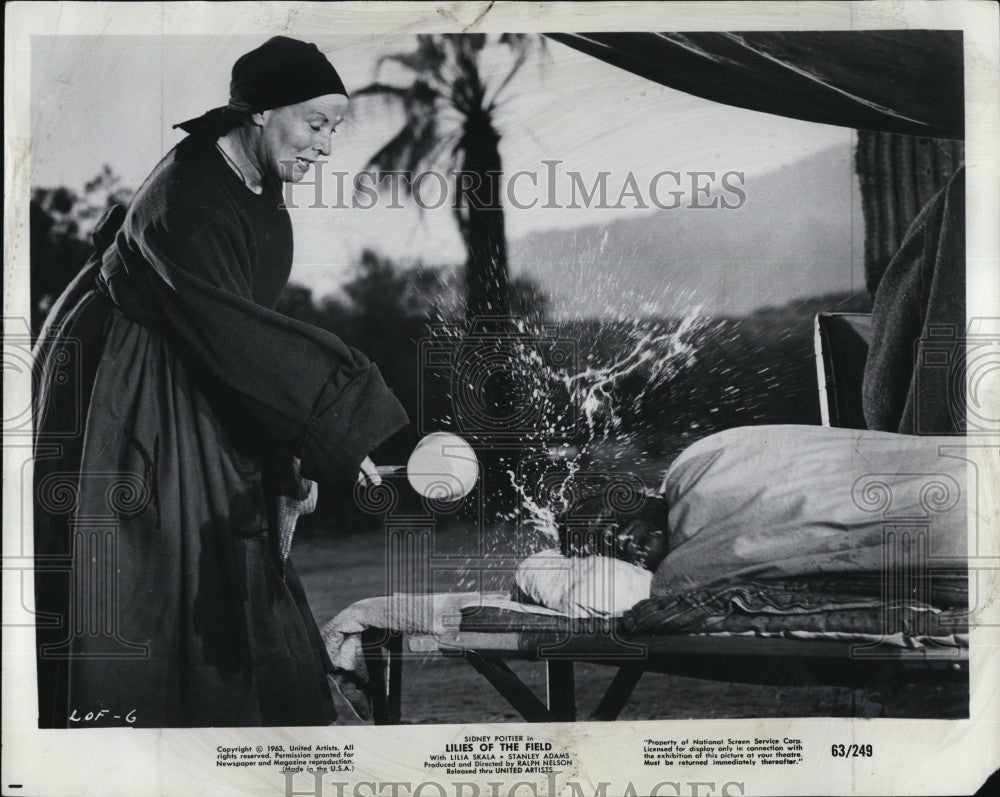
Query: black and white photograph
<point x="546" y="395"/>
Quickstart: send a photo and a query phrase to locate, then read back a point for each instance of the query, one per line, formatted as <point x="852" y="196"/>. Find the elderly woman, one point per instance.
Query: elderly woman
<point x="164" y="591"/>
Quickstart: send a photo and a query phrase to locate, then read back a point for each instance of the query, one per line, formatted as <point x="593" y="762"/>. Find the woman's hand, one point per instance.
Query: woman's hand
<point x="368" y="474"/>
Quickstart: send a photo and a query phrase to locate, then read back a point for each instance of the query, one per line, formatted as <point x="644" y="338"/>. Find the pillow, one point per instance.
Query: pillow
<point x="776" y="502"/>
<point x="583" y="586"/>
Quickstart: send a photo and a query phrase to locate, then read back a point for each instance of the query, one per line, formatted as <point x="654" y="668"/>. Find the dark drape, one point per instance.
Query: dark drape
<point x="896" y="81"/>
<point x="898" y="176"/>
<point x="915" y="374"/>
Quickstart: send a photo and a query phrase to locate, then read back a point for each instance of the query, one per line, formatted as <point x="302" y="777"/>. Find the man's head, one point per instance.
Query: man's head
<point x="593" y="526"/>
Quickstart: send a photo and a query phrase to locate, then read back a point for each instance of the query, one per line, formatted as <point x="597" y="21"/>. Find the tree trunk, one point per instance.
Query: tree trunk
<point x="482" y="220"/>
<point x="498" y="394"/>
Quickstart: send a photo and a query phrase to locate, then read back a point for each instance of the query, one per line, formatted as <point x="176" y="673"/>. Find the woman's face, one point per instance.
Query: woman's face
<point x="294" y="136"/>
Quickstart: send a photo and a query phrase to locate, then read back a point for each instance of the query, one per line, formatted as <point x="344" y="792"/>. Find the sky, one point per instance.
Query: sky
<point x="112" y="100"/>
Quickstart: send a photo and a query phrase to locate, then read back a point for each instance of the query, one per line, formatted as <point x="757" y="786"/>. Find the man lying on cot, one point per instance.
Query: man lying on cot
<point x="758" y="503"/>
<point x="784" y="530"/>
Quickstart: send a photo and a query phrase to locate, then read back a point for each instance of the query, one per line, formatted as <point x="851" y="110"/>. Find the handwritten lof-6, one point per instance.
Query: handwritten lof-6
<point x="102" y="714"/>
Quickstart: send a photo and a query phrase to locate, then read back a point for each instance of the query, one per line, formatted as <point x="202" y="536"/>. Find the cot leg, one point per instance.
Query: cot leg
<point x="872" y="699"/>
<point x="865" y="703"/>
<point x="561" y="689"/>
<point x="506" y="682"/>
<point x="376" y="662"/>
<point x="619" y="691"/>
<point x="394" y="688"/>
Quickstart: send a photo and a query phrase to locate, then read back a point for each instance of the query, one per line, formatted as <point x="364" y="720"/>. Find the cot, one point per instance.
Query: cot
<point x="487" y="638"/>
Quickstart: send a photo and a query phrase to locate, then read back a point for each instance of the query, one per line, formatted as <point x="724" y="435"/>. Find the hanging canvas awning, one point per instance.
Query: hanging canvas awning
<point x="895" y="81"/>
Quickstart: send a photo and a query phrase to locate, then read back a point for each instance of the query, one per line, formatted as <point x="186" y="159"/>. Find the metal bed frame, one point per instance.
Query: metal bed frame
<point x="487" y="639"/>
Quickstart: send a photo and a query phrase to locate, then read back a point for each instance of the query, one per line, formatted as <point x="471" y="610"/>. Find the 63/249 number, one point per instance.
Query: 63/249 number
<point x="851" y="750"/>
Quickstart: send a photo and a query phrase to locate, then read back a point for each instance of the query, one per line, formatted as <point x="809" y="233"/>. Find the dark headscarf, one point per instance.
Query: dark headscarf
<point x="280" y="72"/>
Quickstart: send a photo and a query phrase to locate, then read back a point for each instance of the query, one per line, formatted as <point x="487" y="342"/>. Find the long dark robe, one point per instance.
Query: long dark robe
<point x="169" y="405"/>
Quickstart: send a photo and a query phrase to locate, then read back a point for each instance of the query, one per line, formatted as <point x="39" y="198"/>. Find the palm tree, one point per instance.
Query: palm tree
<point x="449" y="107"/>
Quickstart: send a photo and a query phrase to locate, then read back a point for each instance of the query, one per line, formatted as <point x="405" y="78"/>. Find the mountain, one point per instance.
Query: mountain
<point x="796" y="235"/>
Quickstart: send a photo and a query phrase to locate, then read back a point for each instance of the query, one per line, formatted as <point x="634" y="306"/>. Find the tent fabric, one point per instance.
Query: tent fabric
<point x="896" y="81"/>
<point x="898" y="176"/>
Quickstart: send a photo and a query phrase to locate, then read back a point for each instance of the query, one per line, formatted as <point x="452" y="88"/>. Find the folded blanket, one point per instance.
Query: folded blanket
<point x="405" y="613"/>
<point x="942" y="588"/>
<point x="788" y="608"/>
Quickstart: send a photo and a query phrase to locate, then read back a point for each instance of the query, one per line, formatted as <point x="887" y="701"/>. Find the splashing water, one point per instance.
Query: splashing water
<point x="650" y="351"/>
<point x="538" y="518"/>
<point x="586" y="406"/>
<point x="660" y="353"/>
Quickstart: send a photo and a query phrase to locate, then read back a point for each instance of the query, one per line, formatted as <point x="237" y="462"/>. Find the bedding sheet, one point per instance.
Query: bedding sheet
<point x="782" y="502"/>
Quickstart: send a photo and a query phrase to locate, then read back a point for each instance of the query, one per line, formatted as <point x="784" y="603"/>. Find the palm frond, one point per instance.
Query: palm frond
<point x="474" y="42"/>
<point x="468" y="89"/>
<point x="381" y="89"/>
<point x="411" y="146"/>
<point x="425" y="62"/>
<point x="400" y="152"/>
<point x="444" y="141"/>
<point x="395" y="154"/>
<point x="522" y="45"/>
